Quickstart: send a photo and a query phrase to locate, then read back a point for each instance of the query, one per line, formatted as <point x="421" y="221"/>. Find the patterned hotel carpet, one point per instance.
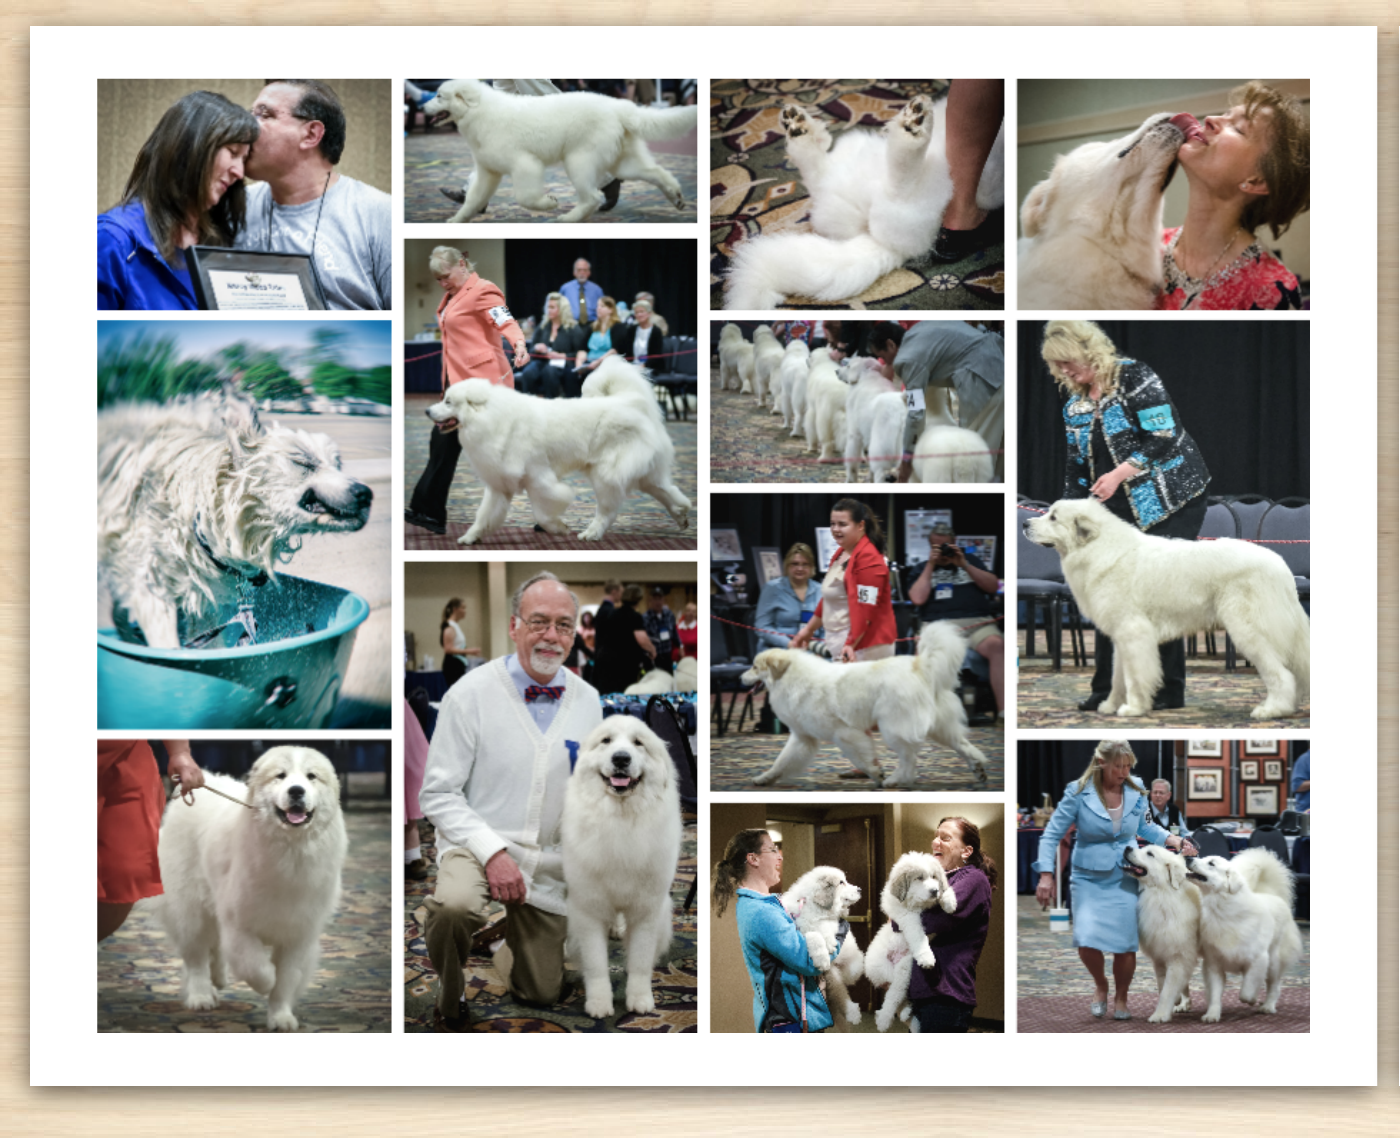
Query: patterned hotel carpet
<point x="673" y="983"/>
<point x="749" y="444"/>
<point x="754" y="189"/>
<point x="1214" y="698"/>
<point x="737" y="756"/>
<point x="441" y="157"/>
<point x="1054" y="990"/>
<point x="138" y="978"/>
<point x="643" y="523"/>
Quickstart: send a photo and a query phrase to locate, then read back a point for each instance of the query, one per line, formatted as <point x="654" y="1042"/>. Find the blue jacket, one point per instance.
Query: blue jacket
<point x="779" y="609"/>
<point x="1302" y="772"/>
<point x="1097" y="848"/>
<point x="131" y="273"/>
<point x="775" y="954"/>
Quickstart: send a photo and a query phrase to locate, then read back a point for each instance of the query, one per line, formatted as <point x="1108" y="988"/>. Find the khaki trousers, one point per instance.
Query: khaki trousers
<point x="532" y="962"/>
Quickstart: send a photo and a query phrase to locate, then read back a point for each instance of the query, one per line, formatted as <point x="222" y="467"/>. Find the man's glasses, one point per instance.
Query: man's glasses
<point x="538" y="624"/>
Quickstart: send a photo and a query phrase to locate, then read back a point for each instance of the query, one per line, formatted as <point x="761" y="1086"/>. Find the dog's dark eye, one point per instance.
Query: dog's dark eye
<point x="282" y="774"/>
<point x="310" y="776"/>
<point x="607" y="739"/>
<point x="305" y="464"/>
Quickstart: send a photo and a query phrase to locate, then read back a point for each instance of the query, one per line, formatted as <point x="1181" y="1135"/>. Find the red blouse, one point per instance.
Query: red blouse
<point x="868" y="595"/>
<point x="1255" y="281"/>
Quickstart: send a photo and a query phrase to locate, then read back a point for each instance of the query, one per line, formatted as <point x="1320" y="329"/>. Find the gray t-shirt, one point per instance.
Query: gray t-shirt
<point x="353" y="240"/>
<point x="949" y="353"/>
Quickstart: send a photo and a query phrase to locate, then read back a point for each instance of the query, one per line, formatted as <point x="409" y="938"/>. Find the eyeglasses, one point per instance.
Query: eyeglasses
<point x="537" y="625"/>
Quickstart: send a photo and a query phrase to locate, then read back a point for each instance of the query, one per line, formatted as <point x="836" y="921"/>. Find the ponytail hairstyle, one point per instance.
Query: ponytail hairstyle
<point x="447" y="611"/>
<point x="972" y="839"/>
<point x="733" y="867"/>
<point x="860" y="512"/>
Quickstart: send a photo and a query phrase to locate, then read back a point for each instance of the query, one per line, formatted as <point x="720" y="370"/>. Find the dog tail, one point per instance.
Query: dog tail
<point x="656" y="123"/>
<point x="617" y="378"/>
<point x="1264" y="873"/>
<point x="767" y="269"/>
<point x="942" y="646"/>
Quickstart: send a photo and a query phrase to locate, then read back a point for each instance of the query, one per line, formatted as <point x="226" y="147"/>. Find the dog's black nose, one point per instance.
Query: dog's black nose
<point x="296" y="793"/>
<point x="363" y="495"/>
<point x="622" y="759"/>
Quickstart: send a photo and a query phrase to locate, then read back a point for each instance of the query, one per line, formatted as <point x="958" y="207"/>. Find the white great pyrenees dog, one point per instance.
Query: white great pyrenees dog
<point x="872" y="403"/>
<point x="818" y="902"/>
<point x="735" y="361"/>
<point x="911" y="699"/>
<point x="791" y="399"/>
<point x="1092" y="231"/>
<point x="916" y="883"/>
<point x="1246" y="926"/>
<point x="195" y="496"/>
<point x="621" y="835"/>
<point x="594" y="137"/>
<point x="947" y="452"/>
<point x="767" y="355"/>
<point x="825" y="421"/>
<point x="249" y="892"/>
<point x="614" y="435"/>
<point x="1169" y="924"/>
<point x="1144" y="591"/>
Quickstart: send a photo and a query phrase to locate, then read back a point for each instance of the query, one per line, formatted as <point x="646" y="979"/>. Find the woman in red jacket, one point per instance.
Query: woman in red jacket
<point x="855" y="607"/>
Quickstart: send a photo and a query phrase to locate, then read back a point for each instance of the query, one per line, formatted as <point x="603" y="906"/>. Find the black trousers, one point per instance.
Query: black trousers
<point x="435" y="484"/>
<point x="1185" y="524"/>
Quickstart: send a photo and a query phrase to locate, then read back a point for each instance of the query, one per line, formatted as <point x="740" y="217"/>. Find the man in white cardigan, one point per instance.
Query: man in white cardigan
<point x="507" y="737"/>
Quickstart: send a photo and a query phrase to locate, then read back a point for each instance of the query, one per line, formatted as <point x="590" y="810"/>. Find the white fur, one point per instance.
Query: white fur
<point x="685" y="678"/>
<point x="863" y="411"/>
<point x="1246" y="927"/>
<point x="877" y="200"/>
<point x="614" y="435"/>
<point x="916" y="883"/>
<point x="824" y="423"/>
<point x="248" y="892"/>
<point x="735" y="361"/>
<point x="621" y="834"/>
<point x="791" y="399"/>
<point x="911" y="699"/>
<point x="1144" y="590"/>
<point x="1169" y="924"/>
<point x="169" y="474"/>
<point x="596" y="138"/>
<point x="1092" y="230"/>
<point x="947" y="452"/>
<point x="767" y="355"/>
<point x="818" y="902"/>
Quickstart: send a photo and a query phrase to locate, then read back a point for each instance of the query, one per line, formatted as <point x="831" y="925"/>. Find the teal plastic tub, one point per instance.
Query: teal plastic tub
<point x="290" y="678"/>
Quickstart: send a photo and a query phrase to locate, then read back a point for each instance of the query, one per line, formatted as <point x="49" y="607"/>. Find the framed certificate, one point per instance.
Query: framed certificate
<point x="243" y="280"/>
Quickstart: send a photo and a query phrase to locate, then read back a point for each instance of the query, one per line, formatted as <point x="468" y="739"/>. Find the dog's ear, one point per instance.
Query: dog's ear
<point x="901" y="882"/>
<point x="1085" y="530"/>
<point x="1176" y="873"/>
<point x="1234" y="882"/>
<point x="1036" y="207"/>
<point x="825" y="895"/>
<point x="776" y="664"/>
<point x="656" y="747"/>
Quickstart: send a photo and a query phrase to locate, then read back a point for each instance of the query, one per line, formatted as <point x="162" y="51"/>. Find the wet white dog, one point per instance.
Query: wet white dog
<point x="621" y="833"/>
<point x="249" y="892"/>
<point x="195" y="498"/>
<point x="614" y="436"/>
<point x="916" y="883"/>
<point x="818" y="902"/>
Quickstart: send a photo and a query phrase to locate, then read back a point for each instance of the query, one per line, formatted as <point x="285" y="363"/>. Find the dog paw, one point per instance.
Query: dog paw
<point x="797" y="124"/>
<point x="640" y="999"/>
<point x="599" y="1007"/>
<point x="925" y="958"/>
<point x="1265" y="711"/>
<point x="1211" y="1016"/>
<point x="594" y="532"/>
<point x="1269" y="1009"/>
<point x="853" y="1013"/>
<point x="915" y="119"/>
<point x="281" y="1021"/>
<point x="892" y="782"/>
<point x="200" y="1002"/>
<point x="1183" y="1004"/>
<point x="1128" y="711"/>
<point x="883" y="1021"/>
<point x="1160" y="1017"/>
<point x="904" y="1013"/>
<point x="679" y="199"/>
<point x="471" y="537"/>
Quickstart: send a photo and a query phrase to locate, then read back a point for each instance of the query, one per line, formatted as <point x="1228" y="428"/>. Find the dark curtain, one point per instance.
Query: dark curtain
<point x="621" y="268"/>
<point x="1241" y="391"/>
<point x="1047" y="767"/>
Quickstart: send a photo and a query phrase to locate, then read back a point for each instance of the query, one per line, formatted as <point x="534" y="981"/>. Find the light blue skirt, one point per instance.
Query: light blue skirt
<point x="1104" y="910"/>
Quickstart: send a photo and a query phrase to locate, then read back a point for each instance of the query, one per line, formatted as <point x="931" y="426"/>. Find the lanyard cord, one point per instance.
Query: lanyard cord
<point x="315" y="232"/>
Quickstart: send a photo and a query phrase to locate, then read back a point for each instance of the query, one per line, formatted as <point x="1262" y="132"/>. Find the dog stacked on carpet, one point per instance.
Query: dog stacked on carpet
<point x="916" y="883"/>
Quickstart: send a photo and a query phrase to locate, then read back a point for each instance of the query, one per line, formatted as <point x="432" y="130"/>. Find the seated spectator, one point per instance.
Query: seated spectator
<point x="688" y="630"/>
<point x="656" y="317"/>
<point x="787" y="603"/>
<point x="600" y="341"/>
<point x="640" y="340"/>
<point x="553" y="347"/>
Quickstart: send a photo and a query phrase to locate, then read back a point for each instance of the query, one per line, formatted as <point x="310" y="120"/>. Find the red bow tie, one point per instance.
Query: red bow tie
<point x="536" y="691"/>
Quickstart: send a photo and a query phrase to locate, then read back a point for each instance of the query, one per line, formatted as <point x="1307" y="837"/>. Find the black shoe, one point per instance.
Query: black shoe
<point x="1161" y="703"/>
<point x="459" y="197"/>
<point x="610" y="192"/>
<point x="460" y="1022"/>
<point x="954" y="245"/>
<point x="1092" y="703"/>
<point x="422" y="521"/>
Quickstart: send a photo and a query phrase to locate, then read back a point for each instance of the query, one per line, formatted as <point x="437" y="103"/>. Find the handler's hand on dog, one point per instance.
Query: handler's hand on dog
<point x="1045" y="890"/>
<point x="181" y="766"/>
<point x="504" y="878"/>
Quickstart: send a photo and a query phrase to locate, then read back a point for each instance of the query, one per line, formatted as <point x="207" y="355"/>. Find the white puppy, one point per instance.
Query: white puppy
<point x="911" y="699"/>
<point x="767" y="355"/>
<point x="1169" y="924"/>
<point x="819" y="902"/>
<point x="614" y="435"/>
<point x="249" y="892"/>
<point x="594" y="137"/>
<point x="196" y="499"/>
<point x="735" y="361"/>
<point x="1092" y="230"/>
<point x="621" y="835"/>
<point x="916" y="883"/>
<point x="791" y="399"/>
<point x="1144" y="591"/>
<point x="1246" y="926"/>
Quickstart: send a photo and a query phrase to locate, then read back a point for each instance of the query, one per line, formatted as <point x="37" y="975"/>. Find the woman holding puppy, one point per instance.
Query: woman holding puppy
<point x="787" y="996"/>
<point x="1110" y="809"/>
<point x="1246" y="168"/>
<point x="855" y="600"/>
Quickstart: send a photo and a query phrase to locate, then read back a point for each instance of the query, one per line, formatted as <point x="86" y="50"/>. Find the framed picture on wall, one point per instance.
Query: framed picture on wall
<point x="1273" y="770"/>
<point x="1261" y="746"/>
<point x="1206" y="784"/>
<point x="1249" y="770"/>
<point x="1261" y="800"/>
<point x="725" y="545"/>
<point x="769" y="563"/>
<point x="1203" y="748"/>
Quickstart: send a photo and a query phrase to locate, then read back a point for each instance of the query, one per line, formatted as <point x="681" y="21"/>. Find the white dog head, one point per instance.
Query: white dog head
<point x="1071" y="524"/>
<point x="456" y="97"/>
<point x="297" y="476"/>
<point x="1214" y="875"/>
<point x="823" y="890"/>
<point x="1156" y="866"/>
<point x="768" y="665"/>
<point x="1112" y="189"/>
<point x="916" y="882"/>
<point x="462" y="404"/>
<point x="295" y="786"/>
<point x="624" y="759"/>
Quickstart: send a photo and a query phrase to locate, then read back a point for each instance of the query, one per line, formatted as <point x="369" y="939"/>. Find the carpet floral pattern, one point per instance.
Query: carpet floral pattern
<point x="754" y="188"/>
<point x="138" y="975"/>
<point x="749" y="444"/>
<point x="493" y="1009"/>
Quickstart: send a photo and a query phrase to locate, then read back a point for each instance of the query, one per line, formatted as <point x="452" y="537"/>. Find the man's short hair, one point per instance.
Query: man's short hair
<point x="320" y="104"/>
<point x="881" y="334"/>
<point x="1163" y="781"/>
<point x="611" y="585"/>
<point x="535" y="580"/>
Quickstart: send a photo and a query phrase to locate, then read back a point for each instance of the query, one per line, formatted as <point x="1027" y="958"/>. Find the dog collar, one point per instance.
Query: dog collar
<point x="257" y="580"/>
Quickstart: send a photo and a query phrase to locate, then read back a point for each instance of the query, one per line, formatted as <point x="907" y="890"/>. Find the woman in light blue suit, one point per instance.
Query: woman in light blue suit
<point x="1110" y="808"/>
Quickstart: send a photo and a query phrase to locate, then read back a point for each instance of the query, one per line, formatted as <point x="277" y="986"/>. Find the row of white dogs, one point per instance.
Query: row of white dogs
<point x="849" y="410"/>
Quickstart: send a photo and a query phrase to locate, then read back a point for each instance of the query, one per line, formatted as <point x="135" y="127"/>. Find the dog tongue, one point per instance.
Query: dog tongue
<point x="620" y="783"/>
<point x="296" y="818"/>
<point x="1187" y="124"/>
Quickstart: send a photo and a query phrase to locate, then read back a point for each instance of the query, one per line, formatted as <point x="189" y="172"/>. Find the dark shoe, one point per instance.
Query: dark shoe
<point x="854" y="774"/>
<point x="1162" y="703"/>
<point x="417" y="869"/>
<point x="422" y="521"/>
<point x="452" y="1024"/>
<point x="1092" y="703"/>
<point x="484" y="938"/>
<point x="458" y="197"/>
<point x="955" y="245"/>
<point x="610" y="192"/>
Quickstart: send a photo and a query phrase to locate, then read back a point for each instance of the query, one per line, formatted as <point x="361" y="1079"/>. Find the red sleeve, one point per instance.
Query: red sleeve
<point x="867" y="570"/>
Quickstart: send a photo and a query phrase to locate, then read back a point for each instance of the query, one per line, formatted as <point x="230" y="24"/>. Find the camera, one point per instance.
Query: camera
<point x="946" y="550"/>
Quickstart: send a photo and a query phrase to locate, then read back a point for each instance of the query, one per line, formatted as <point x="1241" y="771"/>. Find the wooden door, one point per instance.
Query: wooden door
<point x="854" y="844"/>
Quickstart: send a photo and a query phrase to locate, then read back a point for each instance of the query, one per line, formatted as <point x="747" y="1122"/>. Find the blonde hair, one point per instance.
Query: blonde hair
<point x="1080" y="342"/>
<point x="443" y="259"/>
<point x="800" y="549"/>
<point x="1109" y="751"/>
<point x="563" y="308"/>
<point x="598" y="325"/>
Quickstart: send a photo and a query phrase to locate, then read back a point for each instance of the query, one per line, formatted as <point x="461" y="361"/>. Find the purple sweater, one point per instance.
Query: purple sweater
<point x="957" y="939"/>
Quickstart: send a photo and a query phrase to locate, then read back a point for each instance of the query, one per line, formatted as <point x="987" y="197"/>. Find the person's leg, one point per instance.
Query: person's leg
<point x="941" y="1018"/>
<point x="430" y="495"/>
<point x="992" y="649"/>
<point x="1092" y="959"/>
<point x="1172" y="693"/>
<point x="110" y="918"/>
<point x="1102" y="683"/>
<point x="456" y="912"/>
<point x="974" y="109"/>
<point x="1124" y="965"/>
<point x="531" y="963"/>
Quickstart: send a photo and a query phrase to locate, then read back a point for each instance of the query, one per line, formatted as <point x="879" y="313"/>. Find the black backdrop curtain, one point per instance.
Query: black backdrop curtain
<point x="1047" y="767"/>
<point x="775" y="521"/>
<point x="621" y="268"/>
<point x="1241" y="391"/>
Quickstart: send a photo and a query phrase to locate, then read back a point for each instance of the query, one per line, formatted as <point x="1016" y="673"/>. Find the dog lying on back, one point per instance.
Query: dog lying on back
<point x="195" y="497"/>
